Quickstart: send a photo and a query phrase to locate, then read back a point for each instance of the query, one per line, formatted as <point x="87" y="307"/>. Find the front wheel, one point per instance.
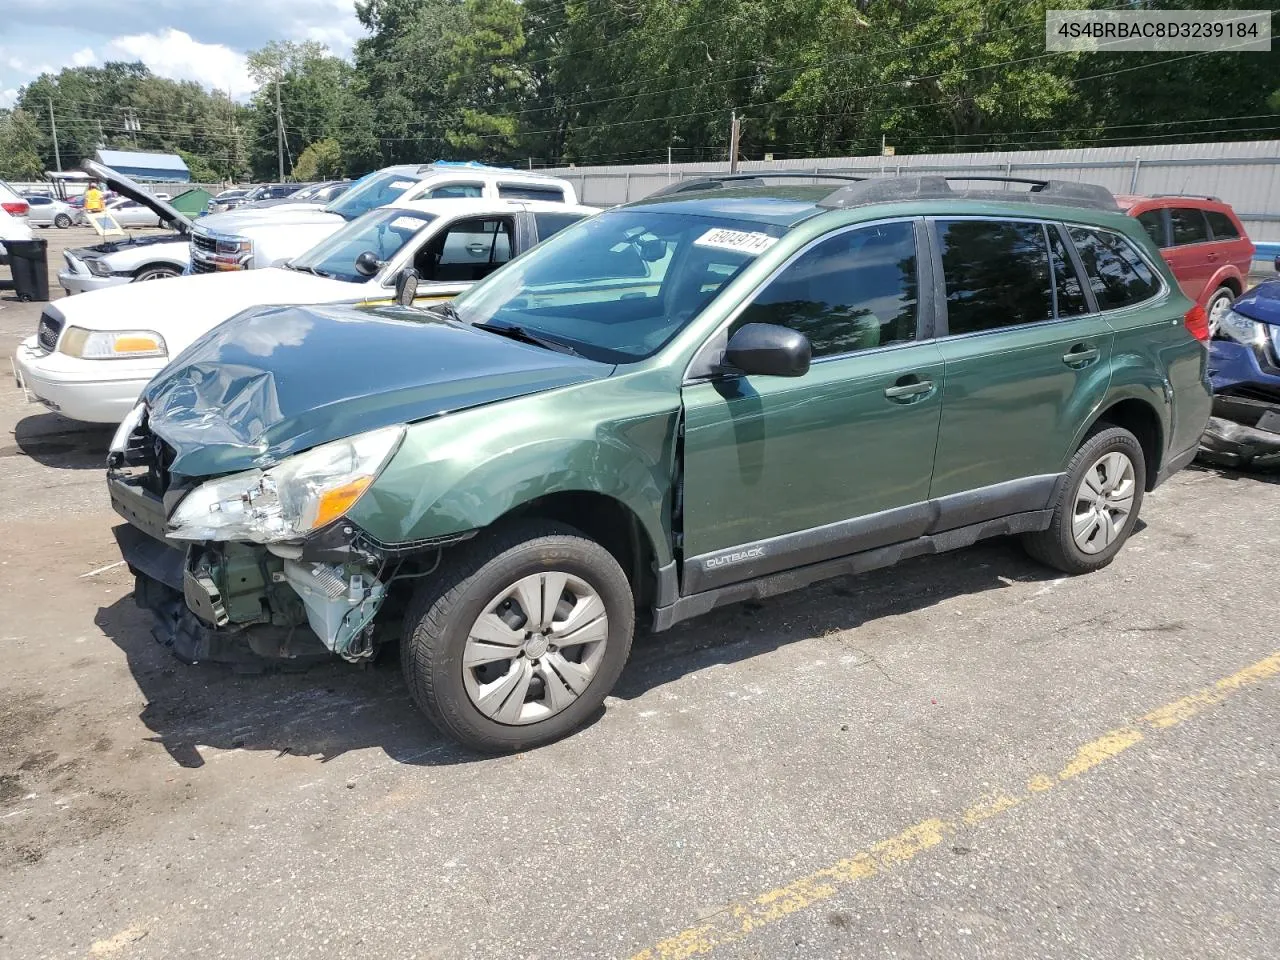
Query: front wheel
<point x="1097" y="506"/>
<point x="156" y="273"/>
<point x="519" y="637"/>
<point x="1218" y="306"/>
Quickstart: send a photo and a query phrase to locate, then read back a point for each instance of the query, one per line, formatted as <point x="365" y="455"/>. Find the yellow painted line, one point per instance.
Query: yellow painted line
<point x="738" y="921"/>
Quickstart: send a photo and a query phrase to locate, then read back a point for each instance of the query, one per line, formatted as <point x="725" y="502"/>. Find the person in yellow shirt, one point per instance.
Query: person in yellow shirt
<point x="93" y="199"/>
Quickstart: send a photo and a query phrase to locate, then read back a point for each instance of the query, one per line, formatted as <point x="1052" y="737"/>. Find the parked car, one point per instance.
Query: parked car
<point x="131" y="213"/>
<point x="92" y="355"/>
<point x="711" y="395"/>
<point x="48" y="212"/>
<point x="251" y="238"/>
<point x="1244" y="368"/>
<point x="11" y="203"/>
<point x="116" y="262"/>
<point x="1204" y="242"/>
<point x="317" y="194"/>
<point x="226" y="200"/>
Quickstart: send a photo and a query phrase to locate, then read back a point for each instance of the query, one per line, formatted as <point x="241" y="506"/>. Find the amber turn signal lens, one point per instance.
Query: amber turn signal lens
<point x="334" y="503"/>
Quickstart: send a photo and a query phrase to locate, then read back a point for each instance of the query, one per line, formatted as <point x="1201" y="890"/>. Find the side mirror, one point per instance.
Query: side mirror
<point x="770" y="350"/>
<point x="367" y="264"/>
<point x="406" y="286"/>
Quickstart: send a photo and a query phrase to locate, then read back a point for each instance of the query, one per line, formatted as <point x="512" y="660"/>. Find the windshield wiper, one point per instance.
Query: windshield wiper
<point x="446" y="309"/>
<point x="311" y="270"/>
<point x="527" y="336"/>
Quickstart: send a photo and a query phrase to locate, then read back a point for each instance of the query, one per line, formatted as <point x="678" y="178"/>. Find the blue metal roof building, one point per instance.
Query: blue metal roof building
<point x="146" y="166"/>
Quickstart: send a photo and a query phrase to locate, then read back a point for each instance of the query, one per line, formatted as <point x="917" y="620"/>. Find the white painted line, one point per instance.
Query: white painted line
<point x="94" y="573"/>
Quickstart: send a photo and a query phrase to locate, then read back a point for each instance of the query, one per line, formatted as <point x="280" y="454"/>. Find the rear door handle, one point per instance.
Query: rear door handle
<point x="909" y="389"/>
<point x="1081" y="355"/>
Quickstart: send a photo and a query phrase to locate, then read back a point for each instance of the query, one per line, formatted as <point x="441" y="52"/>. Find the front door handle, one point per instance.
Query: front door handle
<point x="1212" y="257"/>
<point x="909" y="389"/>
<point x="1081" y="355"/>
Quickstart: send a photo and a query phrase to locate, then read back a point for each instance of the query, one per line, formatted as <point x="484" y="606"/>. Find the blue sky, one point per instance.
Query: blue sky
<point x="182" y="39"/>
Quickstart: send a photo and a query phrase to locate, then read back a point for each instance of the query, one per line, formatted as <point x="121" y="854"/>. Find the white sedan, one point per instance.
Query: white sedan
<point x="51" y="212"/>
<point x="130" y="213"/>
<point x="93" y="353"/>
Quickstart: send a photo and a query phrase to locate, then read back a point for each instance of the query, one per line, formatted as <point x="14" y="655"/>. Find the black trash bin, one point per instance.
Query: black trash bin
<point x="29" y="264"/>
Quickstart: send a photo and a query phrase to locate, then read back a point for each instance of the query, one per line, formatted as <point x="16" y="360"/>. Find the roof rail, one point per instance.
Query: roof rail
<point x="935" y="187"/>
<point x="719" y="181"/>
<point x="1188" y="196"/>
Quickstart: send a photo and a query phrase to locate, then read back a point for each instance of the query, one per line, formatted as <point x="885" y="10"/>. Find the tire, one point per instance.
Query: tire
<point x="1221" y="299"/>
<point x="473" y="581"/>
<point x="1058" y="546"/>
<point x="156" y="273"/>
<point x="62" y="221"/>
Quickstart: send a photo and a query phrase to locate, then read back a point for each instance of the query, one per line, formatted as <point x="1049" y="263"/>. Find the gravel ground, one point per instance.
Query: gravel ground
<point x="957" y="757"/>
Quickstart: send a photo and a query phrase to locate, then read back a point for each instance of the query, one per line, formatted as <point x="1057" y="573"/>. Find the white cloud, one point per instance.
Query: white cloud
<point x="8" y="97"/>
<point x="175" y="54"/>
<point x="84" y="58"/>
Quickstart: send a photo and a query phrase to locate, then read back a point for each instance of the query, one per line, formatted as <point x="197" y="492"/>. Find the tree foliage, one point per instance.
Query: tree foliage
<point x="321" y="160"/>
<point x="600" y="81"/>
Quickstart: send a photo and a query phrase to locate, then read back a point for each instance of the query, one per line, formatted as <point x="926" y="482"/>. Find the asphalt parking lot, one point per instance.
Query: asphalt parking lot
<point x="966" y="756"/>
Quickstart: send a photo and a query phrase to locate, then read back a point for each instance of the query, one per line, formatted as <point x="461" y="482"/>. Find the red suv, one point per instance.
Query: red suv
<point x="1204" y="243"/>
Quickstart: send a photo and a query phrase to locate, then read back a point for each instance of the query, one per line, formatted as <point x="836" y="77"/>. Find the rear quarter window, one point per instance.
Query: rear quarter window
<point x="1221" y="226"/>
<point x="1117" y="273"/>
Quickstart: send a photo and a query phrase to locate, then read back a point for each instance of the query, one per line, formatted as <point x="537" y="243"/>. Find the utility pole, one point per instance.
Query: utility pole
<point x="735" y="130"/>
<point x="279" y="130"/>
<point x="53" y="125"/>
<point x="668" y="163"/>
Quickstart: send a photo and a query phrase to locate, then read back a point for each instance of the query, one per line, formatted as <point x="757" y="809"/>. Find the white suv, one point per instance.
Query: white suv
<point x="250" y="238"/>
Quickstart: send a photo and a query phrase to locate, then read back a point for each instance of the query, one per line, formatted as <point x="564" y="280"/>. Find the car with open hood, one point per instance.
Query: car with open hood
<point x="1244" y="368"/>
<point x="250" y="237"/>
<point x="92" y="355"/>
<point x="722" y="392"/>
<point x="137" y="257"/>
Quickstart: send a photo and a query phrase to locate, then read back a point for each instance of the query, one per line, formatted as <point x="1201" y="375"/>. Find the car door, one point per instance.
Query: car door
<point x="1191" y="255"/>
<point x="780" y="472"/>
<point x="1026" y="357"/>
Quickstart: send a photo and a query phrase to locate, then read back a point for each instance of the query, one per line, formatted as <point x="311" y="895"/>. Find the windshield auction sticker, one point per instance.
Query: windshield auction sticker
<point x="1170" y="30"/>
<point x="752" y="244"/>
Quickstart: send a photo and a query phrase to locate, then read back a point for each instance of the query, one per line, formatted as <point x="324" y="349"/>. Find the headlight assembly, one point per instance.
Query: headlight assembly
<point x="97" y="267"/>
<point x="1242" y="330"/>
<point x="112" y="344"/>
<point x="303" y="493"/>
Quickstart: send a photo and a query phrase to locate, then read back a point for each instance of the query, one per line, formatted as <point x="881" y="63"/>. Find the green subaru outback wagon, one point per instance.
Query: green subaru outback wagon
<point x="722" y="392"/>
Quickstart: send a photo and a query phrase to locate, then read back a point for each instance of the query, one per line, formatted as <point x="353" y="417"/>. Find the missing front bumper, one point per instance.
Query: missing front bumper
<point x="1244" y="433"/>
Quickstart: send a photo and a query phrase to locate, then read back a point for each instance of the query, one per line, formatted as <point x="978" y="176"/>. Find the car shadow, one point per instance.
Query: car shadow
<point x="55" y="441"/>
<point x="330" y="709"/>
<point x="1230" y="473"/>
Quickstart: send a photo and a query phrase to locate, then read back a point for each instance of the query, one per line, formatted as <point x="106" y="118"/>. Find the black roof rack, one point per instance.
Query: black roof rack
<point x="720" y="181"/>
<point x="934" y="187"/>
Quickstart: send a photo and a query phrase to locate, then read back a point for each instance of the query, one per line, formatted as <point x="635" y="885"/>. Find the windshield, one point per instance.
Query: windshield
<point x="617" y="287"/>
<point x="375" y="190"/>
<point x="380" y="232"/>
<point x="309" y="191"/>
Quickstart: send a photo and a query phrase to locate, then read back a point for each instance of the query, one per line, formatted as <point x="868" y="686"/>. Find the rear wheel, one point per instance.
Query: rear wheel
<point x="1098" y="505"/>
<point x="519" y="637"/>
<point x="62" y="221"/>
<point x="156" y="273"/>
<point x="1218" y="306"/>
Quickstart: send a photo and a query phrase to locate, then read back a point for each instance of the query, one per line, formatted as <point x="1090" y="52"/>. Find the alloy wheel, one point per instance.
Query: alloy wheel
<point x="535" y="648"/>
<point x="1103" y="502"/>
<point x="1217" y="310"/>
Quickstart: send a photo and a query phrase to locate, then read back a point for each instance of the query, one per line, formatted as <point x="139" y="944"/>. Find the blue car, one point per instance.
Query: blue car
<point x="1244" y="368"/>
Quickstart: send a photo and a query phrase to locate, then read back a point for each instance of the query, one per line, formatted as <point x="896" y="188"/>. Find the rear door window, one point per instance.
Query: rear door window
<point x="1118" y="275"/>
<point x="1221" y="226"/>
<point x="1188" y="226"/>
<point x="1067" y="288"/>
<point x="997" y="274"/>
<point x="1153" y="222"/>
<point x="549" y="224"/>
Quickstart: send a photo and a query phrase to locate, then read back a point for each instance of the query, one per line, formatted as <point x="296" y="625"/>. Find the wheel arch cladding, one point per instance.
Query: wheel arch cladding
<point x="157" y="265"/>
<point x="1139" y="418"/>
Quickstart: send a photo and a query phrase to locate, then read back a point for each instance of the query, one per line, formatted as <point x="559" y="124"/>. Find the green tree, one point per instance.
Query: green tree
<point x="20" y="143"/>
<point x="321" y="160"/>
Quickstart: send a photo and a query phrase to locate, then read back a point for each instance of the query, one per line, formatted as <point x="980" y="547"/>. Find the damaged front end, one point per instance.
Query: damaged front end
<point x="250" y="568"/>
<point x="1244" y="368"/>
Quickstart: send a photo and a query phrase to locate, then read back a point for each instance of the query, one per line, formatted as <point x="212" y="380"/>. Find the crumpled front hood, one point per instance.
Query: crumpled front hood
<point x="1260" y="303"/>
<point x="275" y="381"/>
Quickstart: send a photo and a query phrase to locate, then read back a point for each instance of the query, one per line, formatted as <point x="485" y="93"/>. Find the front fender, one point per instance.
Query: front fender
<point x="466" y="470"/>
